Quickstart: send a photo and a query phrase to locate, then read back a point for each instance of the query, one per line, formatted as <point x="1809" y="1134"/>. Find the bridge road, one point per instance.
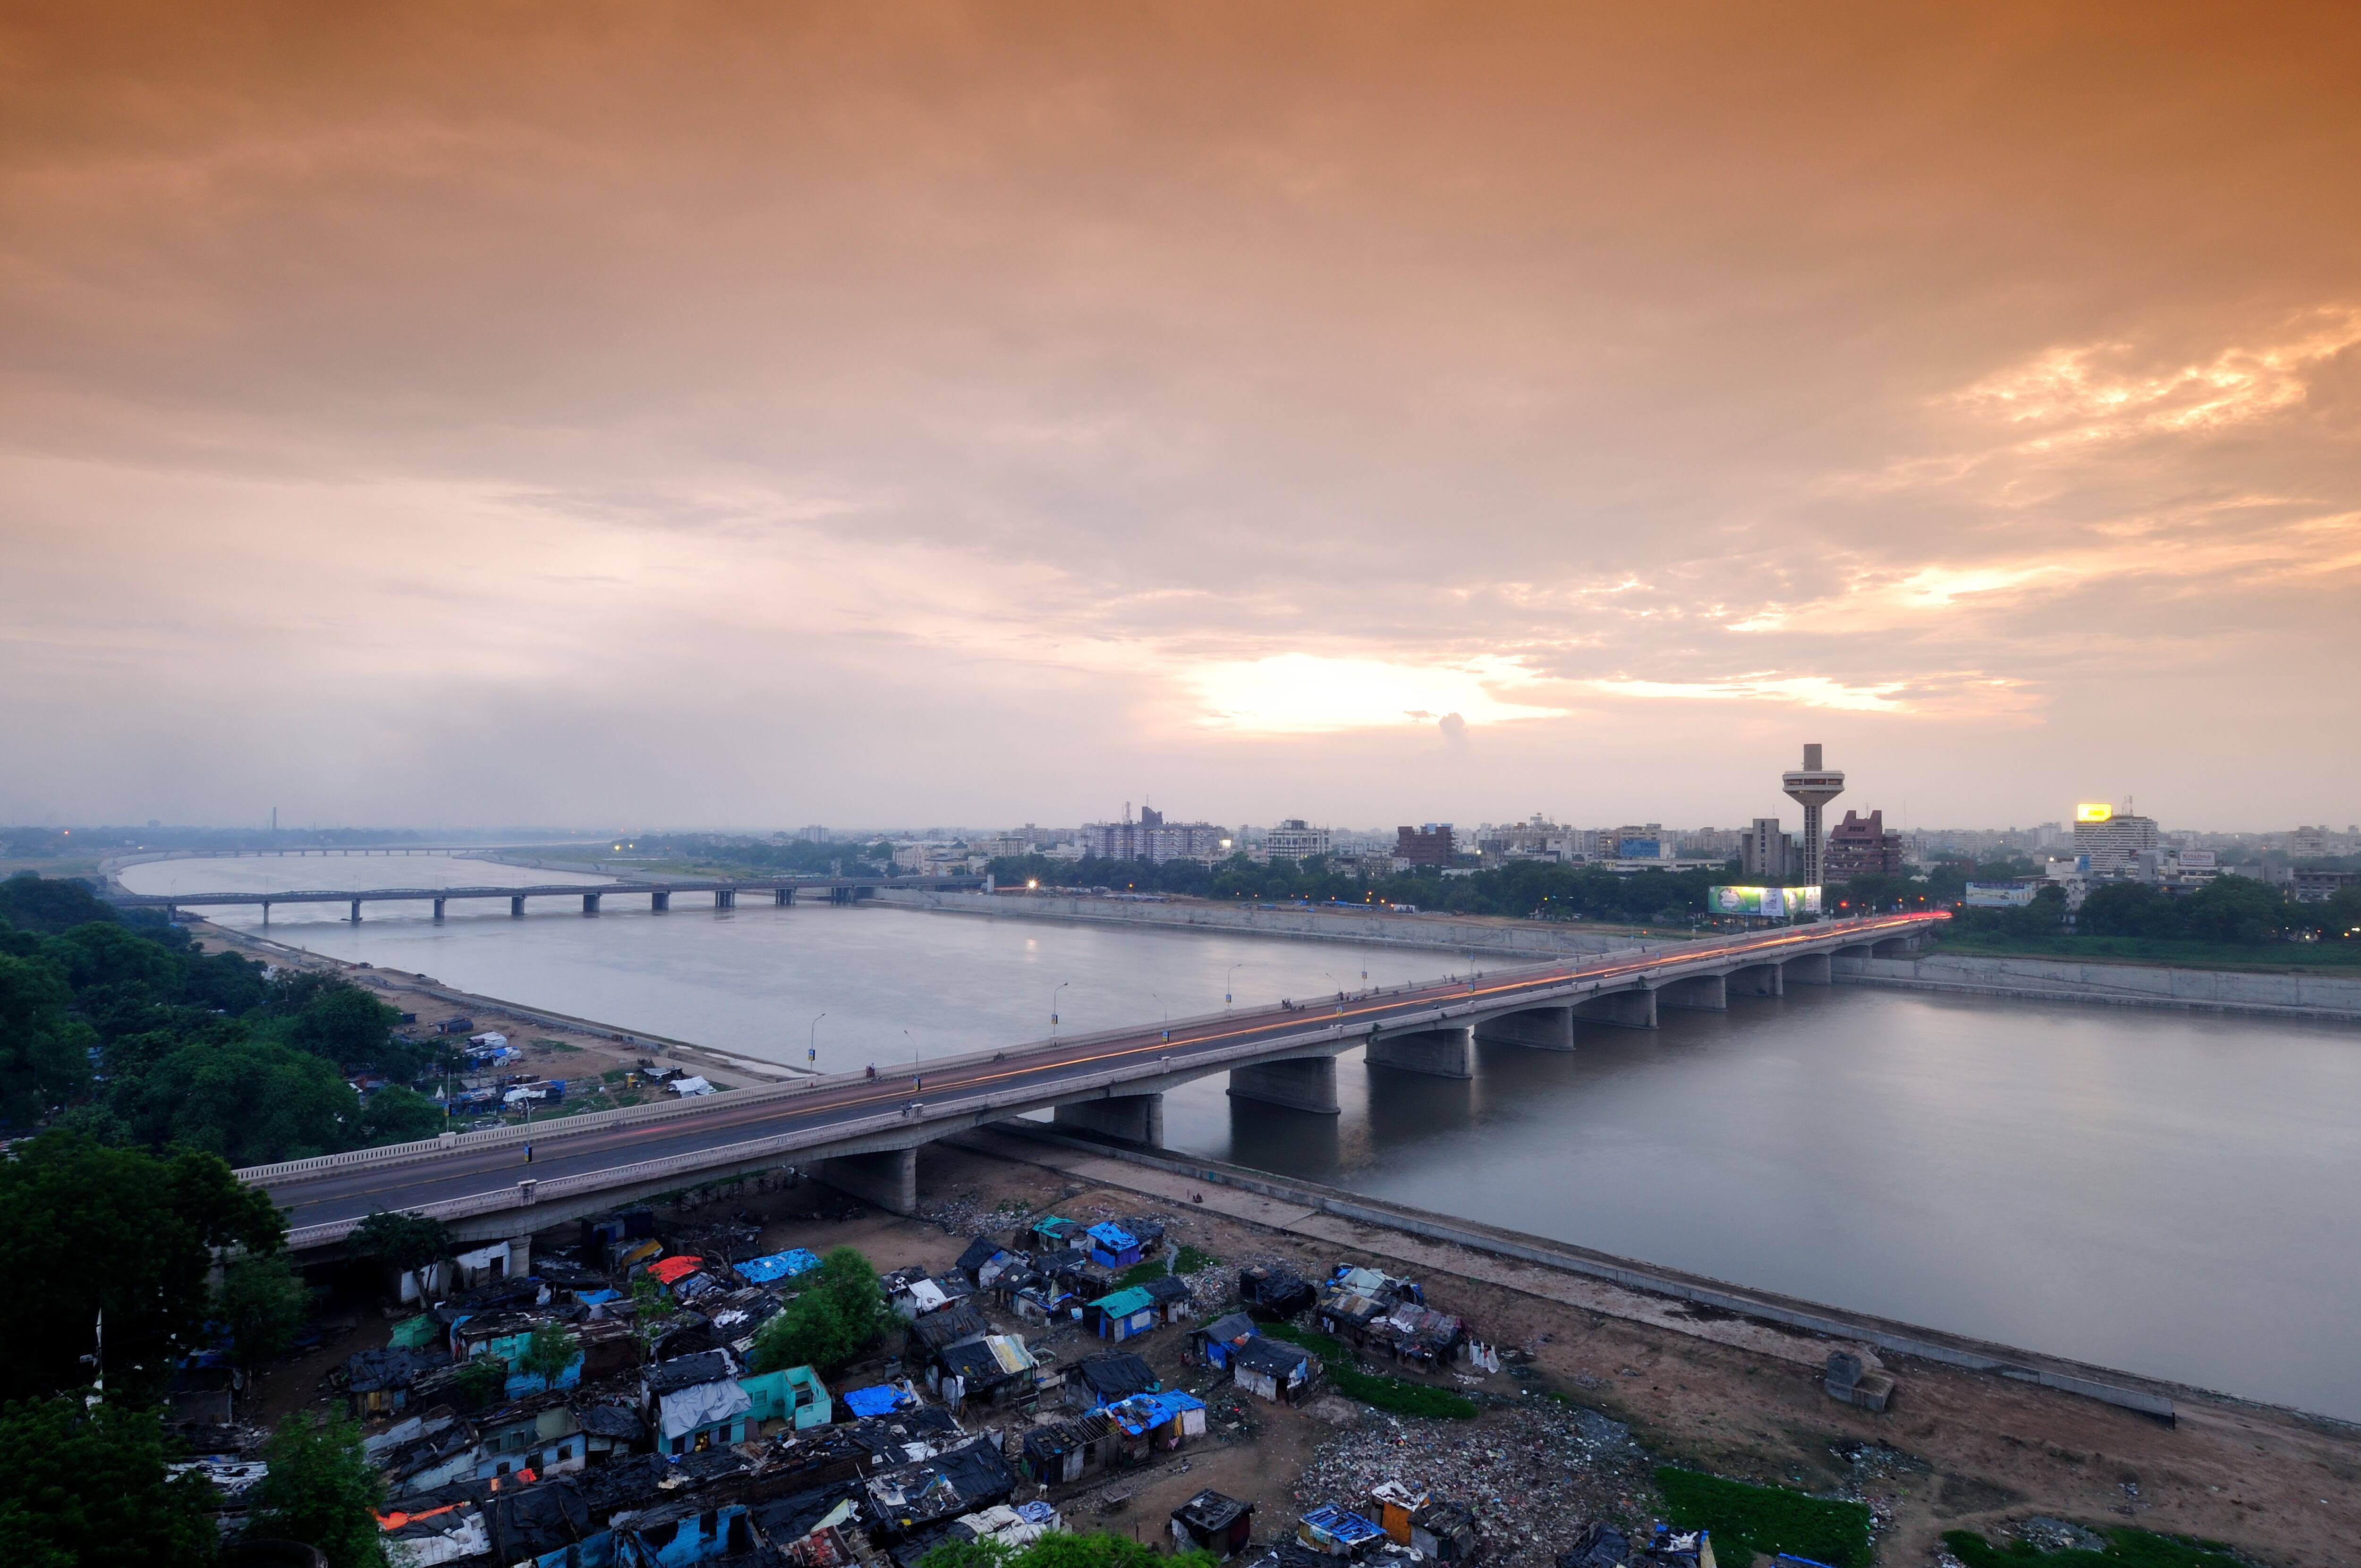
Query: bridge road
<point x="349" y="1192"/>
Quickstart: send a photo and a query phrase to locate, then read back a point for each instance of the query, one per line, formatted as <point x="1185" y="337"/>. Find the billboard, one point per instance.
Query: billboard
<point x="1999" y="894"/>
<point x="2094" y="814"/>
<point x="1763" y="902"/>
<point x="2200" y="860"/>
<point x="1638" y="849"/>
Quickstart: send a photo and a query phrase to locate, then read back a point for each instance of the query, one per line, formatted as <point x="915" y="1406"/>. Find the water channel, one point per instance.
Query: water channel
<point x="2166" y="1192"/>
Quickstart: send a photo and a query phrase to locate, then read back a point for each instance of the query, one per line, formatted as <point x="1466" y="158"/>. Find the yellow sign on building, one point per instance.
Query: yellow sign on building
<point x="2094" y="813"/>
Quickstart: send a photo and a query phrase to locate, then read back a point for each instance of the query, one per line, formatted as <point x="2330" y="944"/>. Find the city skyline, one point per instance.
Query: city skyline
<point x="721" y="416"/>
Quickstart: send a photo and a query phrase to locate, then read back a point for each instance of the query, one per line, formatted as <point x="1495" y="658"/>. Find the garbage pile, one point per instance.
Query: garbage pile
<point x="1534" y="1480"/>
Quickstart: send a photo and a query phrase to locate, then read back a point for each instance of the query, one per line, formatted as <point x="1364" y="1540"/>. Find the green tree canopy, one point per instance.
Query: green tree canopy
<point x="86" y="1489"/>
<point x="322" y="1490"/>
<point x="44" y="1054"/>
<point x="548" y="1352"/>
<point x="411" y="1243"/>
<point x="838" y="1313"/>
<point x="399" y="1114"/>
<point x="252" y="1101"/>
<point x="85" y="1228"/>
<point x="263" y="1302"/>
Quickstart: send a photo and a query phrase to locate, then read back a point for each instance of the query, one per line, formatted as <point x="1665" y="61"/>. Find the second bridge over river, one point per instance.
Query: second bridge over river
<point x="723" y="891"/>
<point x="862" y="1134"/>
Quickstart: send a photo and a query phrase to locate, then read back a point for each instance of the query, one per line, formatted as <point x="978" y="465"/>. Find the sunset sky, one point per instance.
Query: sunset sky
<point x="753" y="415"/>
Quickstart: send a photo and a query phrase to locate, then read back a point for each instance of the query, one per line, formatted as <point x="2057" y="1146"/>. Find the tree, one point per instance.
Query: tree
<point x="253" y="1102"/>
<point x="263" y="1302"/>
<point x="411" y="1243"/>
<point x="86" y="1485"/>
<point x="320" y="1490"/>
<point x="145" y="1229"/>
<point x="481" y="1382"/>
<point x="44" y="1055"/>
<point x="839" y="1311"/>
<point x="398" y="1115"/>
<point x="345" y="1023"/>
<point x="548" y="1352"/>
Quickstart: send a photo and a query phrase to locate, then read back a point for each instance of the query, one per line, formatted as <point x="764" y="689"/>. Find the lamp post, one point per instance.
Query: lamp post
<point x="811" y="1041"/>
<point x="1227" y="975"/>
<point x="1168" y="1014"/>
<point x="1053" y="1005"/>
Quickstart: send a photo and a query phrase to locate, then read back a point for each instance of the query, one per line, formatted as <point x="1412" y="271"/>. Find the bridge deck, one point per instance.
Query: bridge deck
<point x="325" y="1196"/>
<point x="538" y="890"/>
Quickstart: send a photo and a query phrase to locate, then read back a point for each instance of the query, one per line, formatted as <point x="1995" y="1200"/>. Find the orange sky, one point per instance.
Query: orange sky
<point x="754" y="414"/>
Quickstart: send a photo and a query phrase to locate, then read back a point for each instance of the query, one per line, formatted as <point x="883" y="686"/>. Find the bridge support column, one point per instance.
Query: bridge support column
<point x="265" y="917"/>
<point x="357" y="911"/>
<point x="589" y="904"/>
<point x="783" y="896"/>
<point x="1758" y="979"/>
<point x="516" y="908"/>
<point x="1300" y="1083"/>
<point x="439" y="909"/>
<point x="889" y="1179"/>
<point x="1438" y="1053"/>
<point x="1698" y="993"/>
<point x="1620" y="1010"/>
<point x="520" y="1255"/>
<point x="659" y="902"/>
<point x="1136" y="1118"/>
<point x="725" y="898"/>
<point x="1541" y="1029"/>
<point x="1812" y="969"/>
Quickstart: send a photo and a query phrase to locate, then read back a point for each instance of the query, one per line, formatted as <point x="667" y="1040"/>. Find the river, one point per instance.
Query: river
<point x="2165" y="1193"/>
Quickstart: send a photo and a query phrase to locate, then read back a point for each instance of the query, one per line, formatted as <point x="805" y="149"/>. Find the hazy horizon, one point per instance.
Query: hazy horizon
<point x="1389" y="413"/>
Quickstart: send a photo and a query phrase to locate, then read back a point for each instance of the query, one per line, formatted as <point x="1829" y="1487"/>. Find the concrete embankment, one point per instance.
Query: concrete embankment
<point x="2121" y="985"/>
<point x="1489" y="939"/>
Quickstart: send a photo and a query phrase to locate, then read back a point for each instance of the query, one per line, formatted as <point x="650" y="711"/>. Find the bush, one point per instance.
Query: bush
<point x="482" y="1382"/>
<point x="839" y="1313"/>
<point x="1746" y="1519"/>
<point x="1193" y="1261"/>
<point x="1096" y="1550"/>
<point x="1398" y="1394"/>
<point x="321" y="1489"/>
<point x="2127" y="1548"/>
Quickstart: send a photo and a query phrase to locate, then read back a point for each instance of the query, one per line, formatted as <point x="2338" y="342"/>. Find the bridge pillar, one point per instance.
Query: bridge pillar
<point x="1137" y="1118"/>
<point x="725" y="898"/>
<point x="265" y="917"/>
<point x="1895" y="947"/>
<point x="357" y="911"/>
<point x="1758" y="979"/>
<point x="783" y="896"/>
<point x="589" y="904"/>
<point x="659" y="901"/>
<point x="439" y="909"/>
<point x="1438" y="1053"/>
<point x="1541" y="1028"/>
<point x="1300" y="1083"/>
<point x="1620" y="1009"/>
<point x="1697" y="994"/>
<point x="1812" y="969"/>
<point x="889" y="1179"/>
<point x="516" y="907"/>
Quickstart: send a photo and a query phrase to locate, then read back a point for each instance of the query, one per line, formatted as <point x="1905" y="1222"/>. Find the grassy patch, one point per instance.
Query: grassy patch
<point x="1319" y="1345"/>
<point x="1192" y="1261"/>
<point x="615" y="1074"/>
<point x="2127" y="1548"/>
<point x="1395" y="1394"/>
<point x="1767" y="1520"/>
<point x="1139" y="1274"/>
<point x="548" y="1044"/>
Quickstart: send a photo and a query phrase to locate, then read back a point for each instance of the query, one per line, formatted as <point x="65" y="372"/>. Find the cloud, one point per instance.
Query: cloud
<point x="1298" y="694"/>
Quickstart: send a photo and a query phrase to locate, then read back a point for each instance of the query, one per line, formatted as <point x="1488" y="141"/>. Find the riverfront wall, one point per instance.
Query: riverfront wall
<point x="2122" y="985"/>
<point x="1534" y="939"/>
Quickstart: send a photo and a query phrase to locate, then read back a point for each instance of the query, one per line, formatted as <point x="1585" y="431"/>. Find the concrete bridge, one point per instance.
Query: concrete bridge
<point x="862" y="1135"/>
<point x="725" y="892"/>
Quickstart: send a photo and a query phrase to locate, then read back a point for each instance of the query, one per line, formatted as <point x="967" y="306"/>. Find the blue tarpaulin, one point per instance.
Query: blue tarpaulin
<point x="778" y="1265"/>
<point x="881" y="1400"/>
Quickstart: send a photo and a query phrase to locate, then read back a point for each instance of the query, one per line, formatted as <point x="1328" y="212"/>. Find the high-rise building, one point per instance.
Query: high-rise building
<point x="1812" y="786"/>
<point x="1292" y="840"/>
<point x="1428" y="845"/>
<point x="1860" y="845"/>
<point x="1633" y="841"/>
<point x="2111" y="839"/>
<point x="1768" y="850"/>
<point x="1153" y="839"/>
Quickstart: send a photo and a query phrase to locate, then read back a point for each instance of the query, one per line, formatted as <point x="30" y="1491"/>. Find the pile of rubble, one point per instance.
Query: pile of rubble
<point x="1532" y="1479"/>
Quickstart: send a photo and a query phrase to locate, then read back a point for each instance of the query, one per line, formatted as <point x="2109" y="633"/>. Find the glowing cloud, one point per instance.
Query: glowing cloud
<point x="1806" y="691"/>
<point x="1300" y="694"/>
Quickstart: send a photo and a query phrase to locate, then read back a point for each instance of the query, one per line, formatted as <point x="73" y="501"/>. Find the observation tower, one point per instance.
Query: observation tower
<point x="1812" y="786"/>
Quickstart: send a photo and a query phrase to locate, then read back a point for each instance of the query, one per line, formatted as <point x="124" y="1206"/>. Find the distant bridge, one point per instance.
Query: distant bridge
<point x="725" y="892"/>
<point x="862" y="1135"/>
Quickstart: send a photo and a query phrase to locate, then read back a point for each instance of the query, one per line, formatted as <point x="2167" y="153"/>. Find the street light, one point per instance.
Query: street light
<point x="1226" y="997"/>
<point x="1168" y="1015"/>
<point x="1053" y="1005"/>
<point x="811" y="1042"/>
<point x="914" y="1053"/>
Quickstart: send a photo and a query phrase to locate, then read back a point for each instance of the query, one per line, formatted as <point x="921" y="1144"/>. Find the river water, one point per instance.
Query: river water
<point x="2166" y="1192"/>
